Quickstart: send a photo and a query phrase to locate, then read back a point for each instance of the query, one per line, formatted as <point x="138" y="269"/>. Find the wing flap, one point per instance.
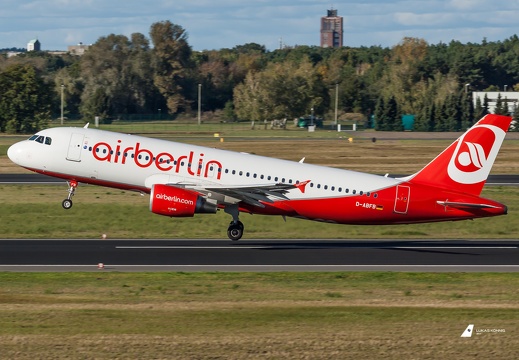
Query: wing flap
<point x="256" y="195"/>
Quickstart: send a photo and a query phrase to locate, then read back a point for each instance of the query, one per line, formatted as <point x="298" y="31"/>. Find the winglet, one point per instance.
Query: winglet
<point x="302" y="185"/>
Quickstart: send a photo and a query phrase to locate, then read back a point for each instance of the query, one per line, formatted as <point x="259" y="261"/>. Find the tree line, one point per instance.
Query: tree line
<point x="121" y="76"/>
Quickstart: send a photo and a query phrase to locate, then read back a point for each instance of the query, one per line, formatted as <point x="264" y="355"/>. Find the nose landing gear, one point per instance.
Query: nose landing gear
<point x="67" y="203"/>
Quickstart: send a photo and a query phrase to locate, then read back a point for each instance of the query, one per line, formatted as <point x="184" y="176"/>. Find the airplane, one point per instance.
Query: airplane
<point x="183" y="179"/>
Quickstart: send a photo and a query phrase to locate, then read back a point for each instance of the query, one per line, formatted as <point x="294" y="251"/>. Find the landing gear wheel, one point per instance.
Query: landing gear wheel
<point x="67" y="204"/>
<point x="235" y="231"/>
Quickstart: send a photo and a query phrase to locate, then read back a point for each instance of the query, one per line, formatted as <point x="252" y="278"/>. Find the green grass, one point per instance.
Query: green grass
<point x="245" y="315"/>
<point x="121" y="214"/>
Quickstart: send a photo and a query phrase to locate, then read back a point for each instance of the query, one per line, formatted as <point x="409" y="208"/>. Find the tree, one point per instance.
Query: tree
<point x="172" y="63"/>
<point x="467" y="112"/>
<point x="453" y="113"/>
<point x="25" y="102"/>
<point x="515" y="120"/>
<point x="282" y="90"/>
<point x="499" y="108"/>
<point x="380" y="109"/>
<point x="118" y="77"/>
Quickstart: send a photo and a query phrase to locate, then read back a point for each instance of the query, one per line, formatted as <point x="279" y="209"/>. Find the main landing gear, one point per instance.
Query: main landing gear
<point x="235" y="230"/>
<point x="67" y="203"/>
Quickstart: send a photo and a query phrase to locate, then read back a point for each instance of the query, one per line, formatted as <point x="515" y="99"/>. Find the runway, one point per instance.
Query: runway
<point x="260" y="255"/>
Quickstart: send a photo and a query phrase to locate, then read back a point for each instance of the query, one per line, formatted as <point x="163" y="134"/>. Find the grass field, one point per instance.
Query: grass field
<point x="120" y="214"/>
<point x="257" y="316"/>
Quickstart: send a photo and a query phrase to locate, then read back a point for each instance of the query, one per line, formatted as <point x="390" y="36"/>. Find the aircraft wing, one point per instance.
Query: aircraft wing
<point x="254" y="195"/>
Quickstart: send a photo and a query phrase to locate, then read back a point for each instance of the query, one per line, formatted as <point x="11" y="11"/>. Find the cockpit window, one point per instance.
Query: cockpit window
<point x="41" y="139"/>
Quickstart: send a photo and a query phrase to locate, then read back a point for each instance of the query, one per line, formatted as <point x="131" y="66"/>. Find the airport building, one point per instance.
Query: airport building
<point x="332" y="29"/>
<point x="34" y="45"/>
<point x="511" y="98"/>
<point x="78" y="49"/>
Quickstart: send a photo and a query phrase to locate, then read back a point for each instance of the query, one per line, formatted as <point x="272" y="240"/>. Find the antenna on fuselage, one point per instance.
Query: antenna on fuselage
<point x="86" y="125"/>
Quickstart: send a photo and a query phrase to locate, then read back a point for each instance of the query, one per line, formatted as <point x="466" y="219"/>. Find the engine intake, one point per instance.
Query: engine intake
<point x="175" y="202"/>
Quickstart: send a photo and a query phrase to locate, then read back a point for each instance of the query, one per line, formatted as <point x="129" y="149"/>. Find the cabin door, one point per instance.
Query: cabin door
<point x="402" y="199"/>
<point x="74" y="147"/>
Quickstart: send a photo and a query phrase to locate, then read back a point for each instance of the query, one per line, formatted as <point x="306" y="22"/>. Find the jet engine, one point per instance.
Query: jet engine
<point x="176" y="202"/>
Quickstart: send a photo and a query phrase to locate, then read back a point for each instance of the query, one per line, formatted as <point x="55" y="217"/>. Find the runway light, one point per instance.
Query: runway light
<point x="100" y="266"/>
<point x="103" y="236"/>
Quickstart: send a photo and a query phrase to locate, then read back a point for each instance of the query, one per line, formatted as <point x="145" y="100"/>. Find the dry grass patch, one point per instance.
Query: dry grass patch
<point x="253" y="316"/>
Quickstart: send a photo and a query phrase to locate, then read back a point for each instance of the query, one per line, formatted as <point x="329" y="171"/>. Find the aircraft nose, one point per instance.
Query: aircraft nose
<point x="15" y="153"/>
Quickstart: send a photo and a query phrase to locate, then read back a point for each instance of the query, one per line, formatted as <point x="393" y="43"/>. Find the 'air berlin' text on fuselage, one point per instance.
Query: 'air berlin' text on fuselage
<point x="163" y="161"/>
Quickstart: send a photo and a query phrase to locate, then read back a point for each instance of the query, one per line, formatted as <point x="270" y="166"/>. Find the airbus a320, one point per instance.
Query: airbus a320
<point x="183" y="180"/>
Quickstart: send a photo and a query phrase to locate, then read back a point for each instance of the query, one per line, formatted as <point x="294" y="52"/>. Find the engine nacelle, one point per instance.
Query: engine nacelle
<point x="175" y="202"/>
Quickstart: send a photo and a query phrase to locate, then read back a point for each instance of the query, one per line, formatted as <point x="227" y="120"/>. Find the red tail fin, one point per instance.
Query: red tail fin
<point x="464" y="166"/>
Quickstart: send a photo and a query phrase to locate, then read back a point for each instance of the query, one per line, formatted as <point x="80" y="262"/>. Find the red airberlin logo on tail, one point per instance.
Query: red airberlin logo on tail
<point x="475" y="153"/>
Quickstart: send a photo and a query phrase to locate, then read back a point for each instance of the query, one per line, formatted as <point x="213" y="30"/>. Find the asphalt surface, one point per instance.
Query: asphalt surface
<point x="43" y="179"/>
<point x="259" y="255"/>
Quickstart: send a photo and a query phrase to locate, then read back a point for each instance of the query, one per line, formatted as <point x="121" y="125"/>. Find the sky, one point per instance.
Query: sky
<point x="217" y="24"/>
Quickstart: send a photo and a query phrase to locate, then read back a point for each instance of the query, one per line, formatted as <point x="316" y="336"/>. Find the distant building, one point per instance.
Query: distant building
<point x="511" y="98"/>
<point x="34" y="45"/>
<point x="331" y="29"/>
<point x="78" y="49"/>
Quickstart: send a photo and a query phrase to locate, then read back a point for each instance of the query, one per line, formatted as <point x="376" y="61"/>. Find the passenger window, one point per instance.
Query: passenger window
<point x="48" y="141"/>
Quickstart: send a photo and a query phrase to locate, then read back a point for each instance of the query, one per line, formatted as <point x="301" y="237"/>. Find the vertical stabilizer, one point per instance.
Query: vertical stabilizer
<point x="464" y="166"/>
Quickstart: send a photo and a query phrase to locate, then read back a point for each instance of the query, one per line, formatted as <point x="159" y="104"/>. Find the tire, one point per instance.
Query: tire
<point x="67" y="204"/>
<point x="235" y="232"/>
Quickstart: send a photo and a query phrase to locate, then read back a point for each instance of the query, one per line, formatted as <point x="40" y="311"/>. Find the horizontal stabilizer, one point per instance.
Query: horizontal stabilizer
<point x="461" y="205"/>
